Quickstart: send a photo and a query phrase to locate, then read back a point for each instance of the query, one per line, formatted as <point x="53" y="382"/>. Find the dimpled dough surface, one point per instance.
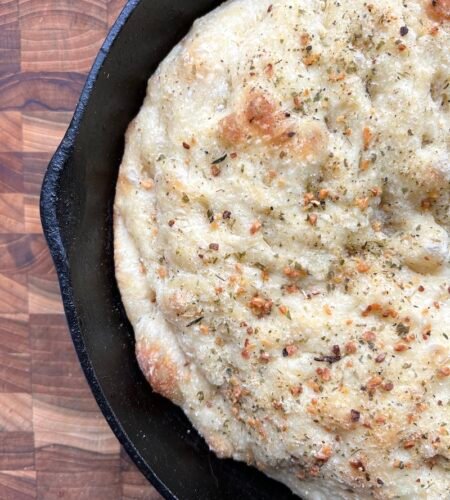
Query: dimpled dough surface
<point x="282" y="241"/>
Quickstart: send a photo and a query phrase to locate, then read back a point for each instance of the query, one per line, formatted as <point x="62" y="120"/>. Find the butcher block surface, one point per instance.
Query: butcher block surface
<point x="54" y="442"/>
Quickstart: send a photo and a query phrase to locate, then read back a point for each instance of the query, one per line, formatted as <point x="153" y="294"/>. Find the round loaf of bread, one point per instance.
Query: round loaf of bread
<point x="282" y="231"/>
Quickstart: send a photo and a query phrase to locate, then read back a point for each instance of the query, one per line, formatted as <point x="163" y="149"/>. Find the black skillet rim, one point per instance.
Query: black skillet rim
<point x="49" y="220"/>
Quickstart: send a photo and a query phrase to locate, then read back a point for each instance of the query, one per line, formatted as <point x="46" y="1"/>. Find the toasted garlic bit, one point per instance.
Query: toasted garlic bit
<point x="261" y="306"/>
<point x="255" y="227"/>
<point x="147" y="184"/>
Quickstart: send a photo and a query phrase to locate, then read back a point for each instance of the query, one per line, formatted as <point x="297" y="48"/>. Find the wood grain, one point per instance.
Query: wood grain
<point x="15" y="373"/>
<point x="63" y="14"/>
<point x="17" y="451"/>
<point x="24" y="252"/>
<point x="55" y="369"/>
<point x="11" y="173"/>
<point x="12" y="213"/>
<point x="32" y="217"/>
<point x="18" y="485"/>
<point x="9" y="14"/>
<point x="43" y="130"/>
<point x="14" y="333"/>
<point x="67" y="421"/>
<point x="9" y="51"/>
<point x="97" y="484"/>
<point x="60" y="50"/>
<point x="61" y="458"/>
<point x="34" y="166"/>
<point x="54" y="442"/>
<point x="11" y="131"/>
<point x="40" y="91"/>
<point x="13" y="293"/>
<point x="15" y="412"/>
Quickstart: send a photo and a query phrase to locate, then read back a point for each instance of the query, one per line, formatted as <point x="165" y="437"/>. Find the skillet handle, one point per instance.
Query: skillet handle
<point x="49" y="200"/>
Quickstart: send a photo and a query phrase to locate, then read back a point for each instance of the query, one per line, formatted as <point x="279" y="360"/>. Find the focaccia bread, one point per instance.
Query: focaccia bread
<point x="282" y="241"/>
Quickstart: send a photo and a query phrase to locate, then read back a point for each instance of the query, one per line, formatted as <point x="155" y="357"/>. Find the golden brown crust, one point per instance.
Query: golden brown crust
<point x="262" y="119"/>
<point x="160" y="371"/>
<point x="260" y="113"/>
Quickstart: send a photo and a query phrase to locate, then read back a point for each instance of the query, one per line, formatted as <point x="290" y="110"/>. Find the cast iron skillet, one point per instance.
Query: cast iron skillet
<point x="76" y="210"/>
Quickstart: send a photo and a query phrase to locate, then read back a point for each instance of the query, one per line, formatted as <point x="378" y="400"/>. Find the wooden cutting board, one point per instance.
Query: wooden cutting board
<point x="54" y="442"/>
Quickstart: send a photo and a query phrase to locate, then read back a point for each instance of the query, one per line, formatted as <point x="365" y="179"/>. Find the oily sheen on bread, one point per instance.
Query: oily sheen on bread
<point x="282" y="241"/>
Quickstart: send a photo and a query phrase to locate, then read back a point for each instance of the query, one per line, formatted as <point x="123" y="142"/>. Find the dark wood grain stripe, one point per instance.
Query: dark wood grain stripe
<point x="40" y="91"/>
<point x="9" y="50"/>
<point x="17" y="451"/>
<point x="11" y="173"/>
<point x="18" y="485"/>
<point x="9" y="14"/>
<point x="24" y="252"/>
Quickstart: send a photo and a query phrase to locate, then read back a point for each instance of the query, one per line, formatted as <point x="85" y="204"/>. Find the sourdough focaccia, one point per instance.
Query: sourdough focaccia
<point x="282" y="241"/>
